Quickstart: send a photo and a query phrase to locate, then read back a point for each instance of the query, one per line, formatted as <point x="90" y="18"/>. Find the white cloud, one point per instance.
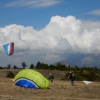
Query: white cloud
<point x="32" y="3"/>
<point x="62" y="35"/>
<point x="90" y="24"/>
<point x="51" y="56"/>
<point x="95" y="12"/>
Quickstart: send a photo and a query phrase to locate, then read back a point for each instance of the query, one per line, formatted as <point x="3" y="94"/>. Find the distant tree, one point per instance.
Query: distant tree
<point x="15" y="67"/>
<point x="60" y="66"/>
<point x="1" y="67"/>
<point x="95" y="68"/>
<point x="24" y="65"/>
<point x="38" y="65"/>
<point x="44" y="66"/>
<point x="51" y="67"/>
<point x="76" y="67"/>
<point x="9" y="66"/>
<point x="5" y="67"/>
<point x="31" y="66"/>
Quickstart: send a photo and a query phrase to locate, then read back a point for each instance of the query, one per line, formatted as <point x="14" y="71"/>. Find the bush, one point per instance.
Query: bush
<point x="80" y="75"/>
<point x="10" y="75"/>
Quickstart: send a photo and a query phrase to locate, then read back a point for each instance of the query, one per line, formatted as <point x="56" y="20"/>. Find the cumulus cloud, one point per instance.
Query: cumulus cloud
<point x="95" y="12"/>
<point x="61" y="36"/>
<point x="90" y="24"/>
<point x="32" y="3"/>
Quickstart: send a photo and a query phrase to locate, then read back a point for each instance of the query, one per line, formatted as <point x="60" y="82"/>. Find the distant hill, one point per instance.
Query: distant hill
<point x="80" y="60"/>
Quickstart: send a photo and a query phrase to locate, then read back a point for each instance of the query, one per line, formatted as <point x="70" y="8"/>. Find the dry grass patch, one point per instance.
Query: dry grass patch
<point x="58" y="90"/>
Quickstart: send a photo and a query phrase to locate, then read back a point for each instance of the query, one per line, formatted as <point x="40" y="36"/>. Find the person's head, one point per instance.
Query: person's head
<point x="50" y="74"/>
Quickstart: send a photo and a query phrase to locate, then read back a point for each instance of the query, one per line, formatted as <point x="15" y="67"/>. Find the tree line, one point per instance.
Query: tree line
<point x="81" y="73"/>
<point x="56" y="66"/>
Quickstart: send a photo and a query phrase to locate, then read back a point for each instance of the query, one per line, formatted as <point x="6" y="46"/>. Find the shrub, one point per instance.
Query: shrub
<point x="10" y="75"/>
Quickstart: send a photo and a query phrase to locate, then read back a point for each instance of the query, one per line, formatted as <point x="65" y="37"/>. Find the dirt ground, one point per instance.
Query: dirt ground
<point x="58" y="90"/>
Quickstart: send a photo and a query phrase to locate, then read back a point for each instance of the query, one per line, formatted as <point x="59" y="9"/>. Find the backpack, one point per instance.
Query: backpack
<point x="52" y="77"/>
<point x="70" y="76"/>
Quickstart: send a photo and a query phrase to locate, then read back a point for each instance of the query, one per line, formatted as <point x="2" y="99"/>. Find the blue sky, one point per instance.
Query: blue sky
<point x="49" y="30"/>
<point x="12" y="12"/>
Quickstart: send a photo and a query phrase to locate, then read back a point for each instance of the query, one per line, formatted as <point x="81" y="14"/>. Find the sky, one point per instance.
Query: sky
<point x="48" y="30"/>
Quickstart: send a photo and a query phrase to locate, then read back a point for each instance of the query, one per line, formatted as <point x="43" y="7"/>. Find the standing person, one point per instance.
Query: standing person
<point x="72" y="78"/>
<point x="51" y="77"/>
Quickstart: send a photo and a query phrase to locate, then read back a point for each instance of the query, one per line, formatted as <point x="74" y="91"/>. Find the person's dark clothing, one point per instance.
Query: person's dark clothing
<point x="72" y="78"/>
<point x="51" y="77"/>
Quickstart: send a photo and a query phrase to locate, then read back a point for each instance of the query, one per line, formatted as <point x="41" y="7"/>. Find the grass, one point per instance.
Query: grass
<point x="58" y="90"/>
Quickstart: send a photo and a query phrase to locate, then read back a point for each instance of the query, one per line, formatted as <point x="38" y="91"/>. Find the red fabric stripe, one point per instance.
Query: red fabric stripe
<point x="11" y="48"/>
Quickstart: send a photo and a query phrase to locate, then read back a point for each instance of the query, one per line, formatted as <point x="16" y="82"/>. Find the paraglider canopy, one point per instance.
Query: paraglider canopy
<point x="87" y="82"/>
<point x="9" y="48"/>
<point x="30" y="78"/>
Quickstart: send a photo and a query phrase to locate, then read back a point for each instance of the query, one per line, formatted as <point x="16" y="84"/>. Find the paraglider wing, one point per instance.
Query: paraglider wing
<point x="31" y="79"/>
<point x="9" y="48"/>
<point x="87" y="82"/>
